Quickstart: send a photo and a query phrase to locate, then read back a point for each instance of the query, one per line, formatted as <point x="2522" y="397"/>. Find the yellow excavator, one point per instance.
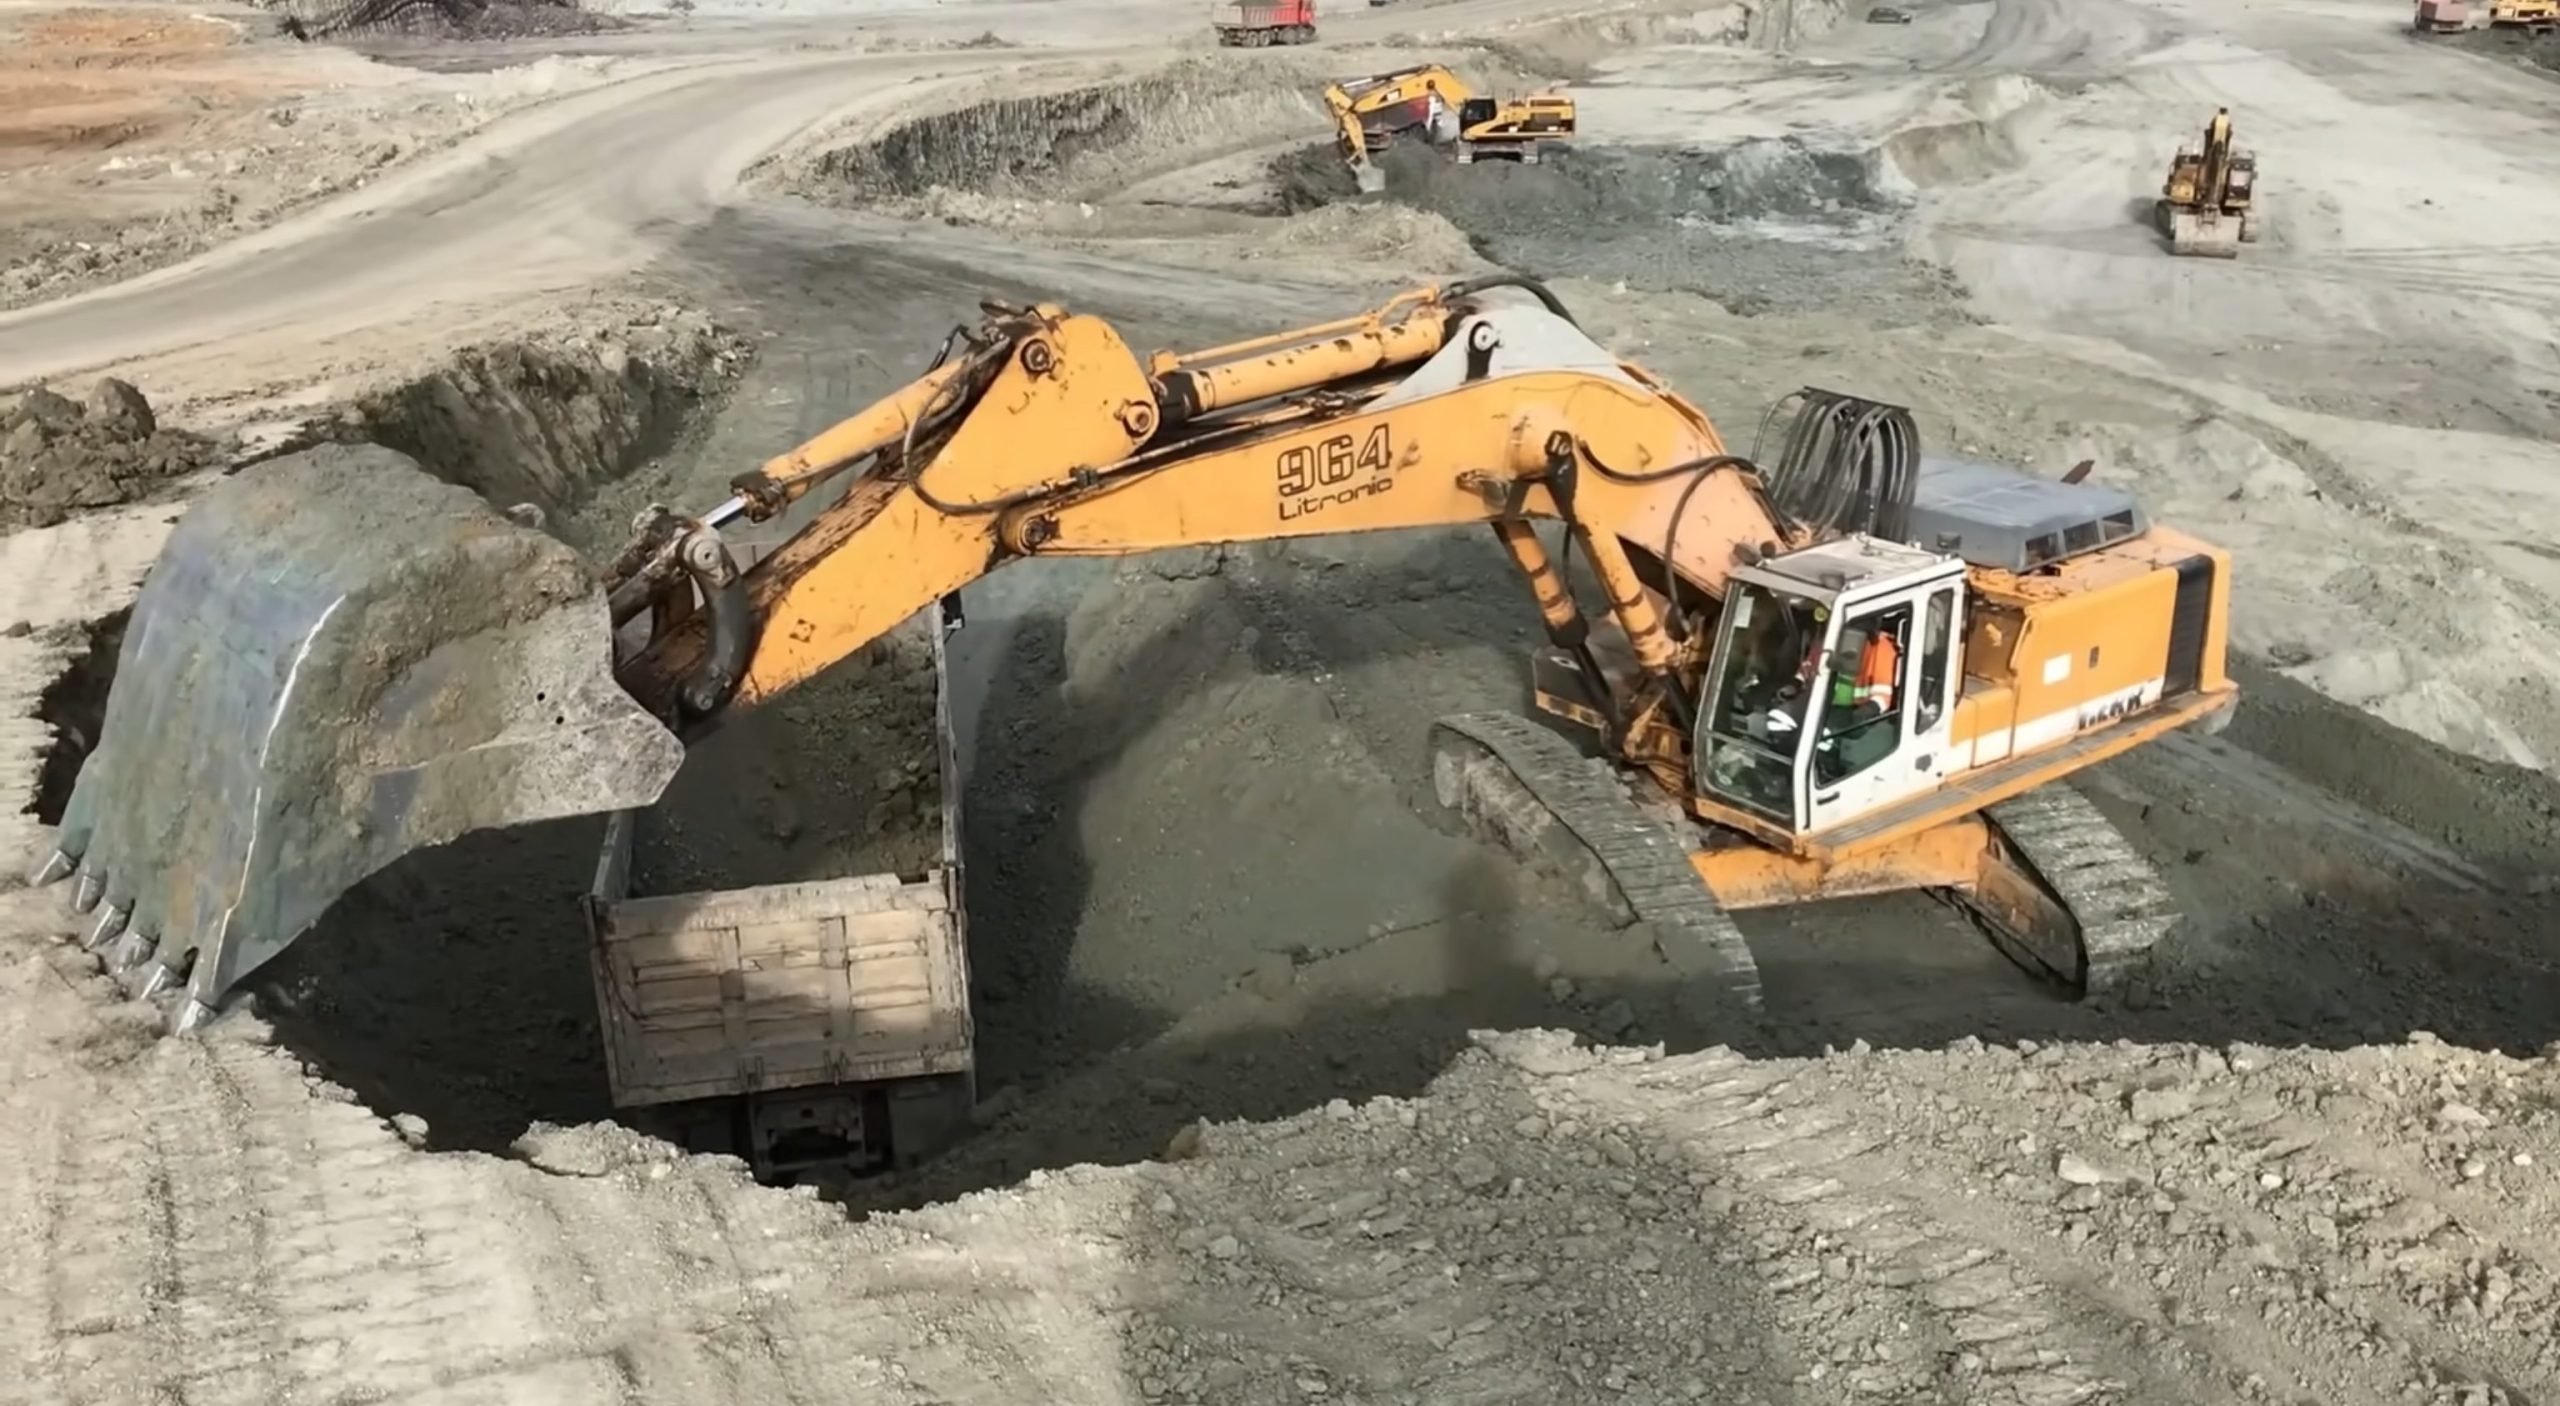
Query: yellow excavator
<point x="2208" y="205"/>
<point x="1843" y="669"/>
<point x="1373" y="112"/>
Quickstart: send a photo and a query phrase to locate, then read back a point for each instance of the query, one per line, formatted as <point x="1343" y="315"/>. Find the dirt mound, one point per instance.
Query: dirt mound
<point x="840" y="778"/>
<point x="440" y="19"/>
<point x="58" y="455"/>
<point x="1065" y="144"/>
<point x="1575" y="48"/>
<point x="2537" y="51"/>
<point x="1602" y="193"/>
<point x="1414" y="242"/>
<point x="1980" y="138"/>
<point x="1761" y="226"/>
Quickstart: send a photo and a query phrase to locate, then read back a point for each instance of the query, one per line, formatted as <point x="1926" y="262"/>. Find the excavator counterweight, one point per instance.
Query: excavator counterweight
<point x="1847" y="669"/>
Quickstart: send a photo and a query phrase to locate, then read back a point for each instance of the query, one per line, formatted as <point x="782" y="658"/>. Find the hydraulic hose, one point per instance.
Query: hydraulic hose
<point x="1847" y="464"/>
<point x="1525" y="284"/>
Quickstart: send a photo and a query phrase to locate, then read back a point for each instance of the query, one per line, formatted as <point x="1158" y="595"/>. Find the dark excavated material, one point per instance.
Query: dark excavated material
<point x="337" y="660"/>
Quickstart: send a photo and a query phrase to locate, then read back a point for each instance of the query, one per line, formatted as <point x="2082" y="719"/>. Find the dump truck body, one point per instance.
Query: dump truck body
<point x="2442" y="16"/>
<point x="809" y="1025"/>
<point x="1255" y="23"/>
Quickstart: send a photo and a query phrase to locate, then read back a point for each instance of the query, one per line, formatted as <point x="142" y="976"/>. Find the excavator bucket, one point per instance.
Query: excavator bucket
<point x="336" y="660"/>
<point x="2204" y="234"/>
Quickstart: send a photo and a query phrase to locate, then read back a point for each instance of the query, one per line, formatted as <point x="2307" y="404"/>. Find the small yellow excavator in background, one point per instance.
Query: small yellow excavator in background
<point x="1843" y="670"/>
<point x="2208" y="206"/>
<point x="1375" y="111"/>
<point x="2531" y="16"/>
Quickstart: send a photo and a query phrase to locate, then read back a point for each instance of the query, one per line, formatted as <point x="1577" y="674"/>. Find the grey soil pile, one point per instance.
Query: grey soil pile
<point x="841" y="777"/>
<point x="2540" y="51"/>
<point x="59" y="455"/>
<point x="2040" y="1224"/>
<point x="1763" y="226"/>
<point x="443" y="19"/>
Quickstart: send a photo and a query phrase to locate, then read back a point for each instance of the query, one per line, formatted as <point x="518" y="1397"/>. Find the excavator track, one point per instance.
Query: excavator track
<point x="2113" y="905"/>
<point x="1528" y="789"/>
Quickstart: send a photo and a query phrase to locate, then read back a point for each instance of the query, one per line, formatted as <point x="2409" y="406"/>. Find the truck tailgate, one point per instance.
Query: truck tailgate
<point x="825" y="983"/>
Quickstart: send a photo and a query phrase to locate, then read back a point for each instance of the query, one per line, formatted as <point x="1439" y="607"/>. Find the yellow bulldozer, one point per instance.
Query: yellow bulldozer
<point x="1842" y="669"/>
<point x="1445" y="110"/>
<point x="2208" y="205"/>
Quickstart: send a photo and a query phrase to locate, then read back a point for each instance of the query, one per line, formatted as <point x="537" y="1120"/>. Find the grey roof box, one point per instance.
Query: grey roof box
<point x="1996" y="516"/>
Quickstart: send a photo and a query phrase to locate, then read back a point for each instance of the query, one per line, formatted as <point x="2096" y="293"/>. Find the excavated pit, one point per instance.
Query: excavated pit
<point x="546" y="420"/>
<point x="1772" y="226"/>
<point x="1084" y="142"/>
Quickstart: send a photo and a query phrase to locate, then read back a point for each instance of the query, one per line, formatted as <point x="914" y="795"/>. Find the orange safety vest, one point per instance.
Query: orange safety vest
<point x="1879" y="664"/>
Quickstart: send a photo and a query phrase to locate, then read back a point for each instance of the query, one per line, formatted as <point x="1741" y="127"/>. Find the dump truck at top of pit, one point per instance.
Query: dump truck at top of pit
<point x="1843" y="668"/>
<point x="1254" y="24"/>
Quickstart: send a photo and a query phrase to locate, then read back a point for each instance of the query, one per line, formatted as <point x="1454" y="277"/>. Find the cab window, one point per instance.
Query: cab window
<point x="1865" y="695"/>
<point x="1937" y="646"/>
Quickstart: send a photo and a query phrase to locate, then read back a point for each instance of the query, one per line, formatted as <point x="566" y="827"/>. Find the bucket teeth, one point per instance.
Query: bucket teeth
<point x="56" y="867"/>
<point x="304" y="694"/>
<point x="109" y="926"/>
<point x="160" y="978"/>
<point x="192" y="1015"/>
<point x="133" y="951"/>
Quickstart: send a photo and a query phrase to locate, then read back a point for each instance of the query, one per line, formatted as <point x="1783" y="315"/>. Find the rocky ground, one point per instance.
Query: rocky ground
<point x="1244" y="1135"/>
<point x="1545" y="1222"/>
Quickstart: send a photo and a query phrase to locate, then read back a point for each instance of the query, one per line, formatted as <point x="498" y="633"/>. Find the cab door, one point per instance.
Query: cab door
<point x="1888" y="702"/>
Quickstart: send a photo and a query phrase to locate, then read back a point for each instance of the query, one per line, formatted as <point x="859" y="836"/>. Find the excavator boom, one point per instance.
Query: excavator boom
<point x="392" y="664"/>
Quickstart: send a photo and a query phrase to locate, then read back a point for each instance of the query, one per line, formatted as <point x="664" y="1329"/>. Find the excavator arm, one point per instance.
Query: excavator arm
<point x="1051" y="438"/>
<point x="1353" y="137"/>
<point x="1354" y="101"/>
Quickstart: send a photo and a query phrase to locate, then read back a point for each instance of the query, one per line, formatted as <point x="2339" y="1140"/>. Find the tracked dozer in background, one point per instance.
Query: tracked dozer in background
<point x="1849" y="670"/>
<point x="1430" y="101"/>
<point x="2208" y="205"/>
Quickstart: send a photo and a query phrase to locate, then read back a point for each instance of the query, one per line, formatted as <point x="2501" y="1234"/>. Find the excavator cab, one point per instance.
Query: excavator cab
<point x="1832" y="688"/>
